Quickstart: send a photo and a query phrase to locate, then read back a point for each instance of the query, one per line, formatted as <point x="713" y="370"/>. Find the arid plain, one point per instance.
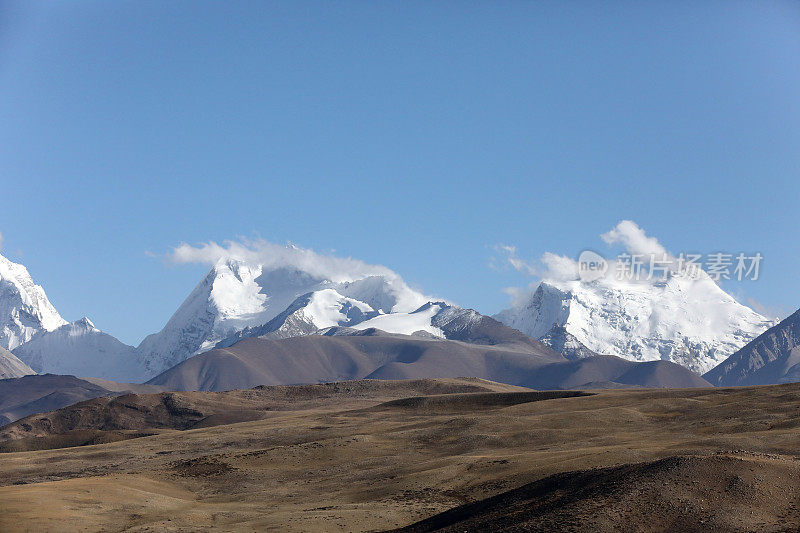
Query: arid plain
<point x="377" y="455"/>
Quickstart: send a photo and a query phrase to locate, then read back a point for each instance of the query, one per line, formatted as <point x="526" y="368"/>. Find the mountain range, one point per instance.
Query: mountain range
<point x="688" y="321"/>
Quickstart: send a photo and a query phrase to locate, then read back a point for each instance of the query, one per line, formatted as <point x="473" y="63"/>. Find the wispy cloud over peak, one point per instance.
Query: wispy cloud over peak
<point x="634" y="239"/>
<point x="274" y="256"/>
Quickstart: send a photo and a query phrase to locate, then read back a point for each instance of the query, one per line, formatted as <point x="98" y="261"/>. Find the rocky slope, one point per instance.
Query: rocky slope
<point x="725" y="492"/>
<point x="11" y="366"/>
<point x="772" y="357"/>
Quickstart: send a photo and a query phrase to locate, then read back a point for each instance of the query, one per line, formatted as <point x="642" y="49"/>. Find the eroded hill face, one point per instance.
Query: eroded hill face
<point x="723" y="492"/>
<point x="365" y="465"/>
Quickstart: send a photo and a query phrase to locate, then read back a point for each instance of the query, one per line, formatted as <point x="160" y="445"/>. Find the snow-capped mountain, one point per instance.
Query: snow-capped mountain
<point x="320" y="312"/>
<point x="308" y="313"/>
<point x="772" y="357"/>
<point x="238" y="295"/>
<point x="327" y="308"/>
<point x="82" y="350"/>
<point x="24" y="307"/>
<point x="685" y="319"/>
<point x="12" y="367"/>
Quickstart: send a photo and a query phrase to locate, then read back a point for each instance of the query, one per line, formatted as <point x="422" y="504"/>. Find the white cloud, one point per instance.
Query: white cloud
<point x="559" y="267"/>
<point x="548" y="266"/>
<point x="1" y="242"/>
<point x="512" y="259"/>
<point x="273" y="256"/>
<point x="553" y="267"/>
<point x="634" y="239"/>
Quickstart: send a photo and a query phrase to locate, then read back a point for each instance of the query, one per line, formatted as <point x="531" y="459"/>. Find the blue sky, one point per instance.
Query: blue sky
<point x="418" y="135"/>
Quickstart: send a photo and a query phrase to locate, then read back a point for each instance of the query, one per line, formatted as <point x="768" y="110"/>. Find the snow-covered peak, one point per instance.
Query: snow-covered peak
<point x="24" y="307"/>
<point x="234" y="292"/>
<point x="328" y="308"/>
<point x="687" y="319"/>
<point x="84" y="324"/>
<point x="386" y="294"/>
<point x="421" y="319"/>
<point x="241" y="297"/>
<point x="80" y="349"/>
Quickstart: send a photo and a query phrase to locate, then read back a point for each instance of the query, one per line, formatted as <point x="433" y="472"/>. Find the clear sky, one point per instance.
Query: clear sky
<point x="417" y="135"/>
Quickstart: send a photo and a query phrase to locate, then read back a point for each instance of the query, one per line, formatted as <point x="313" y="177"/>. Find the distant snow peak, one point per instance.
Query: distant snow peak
<point x="326" y="308"/>
<point x="234" y="291"/>
<point x="85" y="324"/>
<point x="24" y="307"/>
<point x="80" y="349"/>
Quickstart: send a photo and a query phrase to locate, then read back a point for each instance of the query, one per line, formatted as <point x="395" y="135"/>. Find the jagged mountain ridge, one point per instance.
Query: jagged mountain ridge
<point x="565" y="343"/>
<point x="237" y="297"/>
<point x="315" y="312"/>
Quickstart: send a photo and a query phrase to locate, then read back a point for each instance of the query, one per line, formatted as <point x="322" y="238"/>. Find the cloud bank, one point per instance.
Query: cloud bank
<point x="274" y="256"/>
<point x="559" y="268"/>
<point x="555" y="267"/>
<point x="634" y="240"/>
